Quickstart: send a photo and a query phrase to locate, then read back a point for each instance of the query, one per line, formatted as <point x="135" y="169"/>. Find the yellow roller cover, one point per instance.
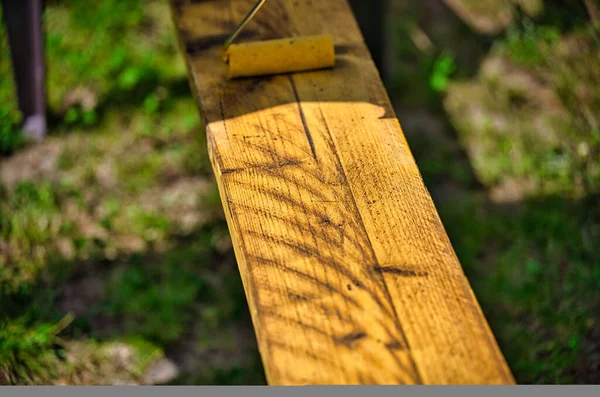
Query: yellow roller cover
<point x="280" y="56"/>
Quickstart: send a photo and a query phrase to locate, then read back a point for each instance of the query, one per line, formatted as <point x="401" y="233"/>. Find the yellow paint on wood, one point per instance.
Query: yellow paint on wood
<point x="280" y="56"/>
<point x="348" y="271"/>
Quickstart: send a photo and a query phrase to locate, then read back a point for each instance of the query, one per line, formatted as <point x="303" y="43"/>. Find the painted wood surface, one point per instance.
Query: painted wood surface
<point x="348" y="271"/>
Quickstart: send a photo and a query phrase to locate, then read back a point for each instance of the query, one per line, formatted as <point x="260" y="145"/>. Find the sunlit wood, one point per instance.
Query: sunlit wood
<point x="349" y="274"/>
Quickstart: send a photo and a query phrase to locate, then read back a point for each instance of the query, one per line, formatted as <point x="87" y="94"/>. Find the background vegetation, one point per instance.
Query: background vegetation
<point x="115" y="262"/>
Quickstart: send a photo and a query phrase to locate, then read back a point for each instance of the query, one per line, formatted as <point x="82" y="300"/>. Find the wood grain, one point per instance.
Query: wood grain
<point x="349" y="274"/>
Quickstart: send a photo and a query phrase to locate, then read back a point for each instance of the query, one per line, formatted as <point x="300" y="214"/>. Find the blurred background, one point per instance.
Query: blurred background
<point x="115" y="261"/>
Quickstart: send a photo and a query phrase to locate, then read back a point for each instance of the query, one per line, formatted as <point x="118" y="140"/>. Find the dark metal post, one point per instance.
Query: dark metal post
<point x="371" y="17"/>
<point x="23" y="20"/>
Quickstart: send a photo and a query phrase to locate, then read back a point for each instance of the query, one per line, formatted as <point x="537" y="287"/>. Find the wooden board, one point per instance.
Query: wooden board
<point x="349" y="274"/>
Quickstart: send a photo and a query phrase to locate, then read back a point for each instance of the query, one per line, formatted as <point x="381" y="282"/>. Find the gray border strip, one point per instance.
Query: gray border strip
<point x="330" y="391"/>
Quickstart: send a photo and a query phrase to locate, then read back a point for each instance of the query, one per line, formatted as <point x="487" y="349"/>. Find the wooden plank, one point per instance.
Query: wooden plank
<point x="349" y="274"/>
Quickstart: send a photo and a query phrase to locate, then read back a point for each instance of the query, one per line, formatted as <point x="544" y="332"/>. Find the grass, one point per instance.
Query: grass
<point x="519" y="201"/>
<point x="535" y="269"/>
<point x="119" y="234"/>
<point x="114" y="253"/>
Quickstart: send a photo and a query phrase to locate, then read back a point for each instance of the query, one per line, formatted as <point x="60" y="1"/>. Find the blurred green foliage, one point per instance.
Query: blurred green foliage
<point x="535" y="269"/>
<point x="443" y="68"/>
<point x="126" y="210"/>
<point x="26" y="351"/>
<point x="526" y="44"/>
<point x="514" y="171"/>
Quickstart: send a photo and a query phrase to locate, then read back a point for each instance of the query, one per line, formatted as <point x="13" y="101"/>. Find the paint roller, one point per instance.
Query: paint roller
<point x="278" y="56"/>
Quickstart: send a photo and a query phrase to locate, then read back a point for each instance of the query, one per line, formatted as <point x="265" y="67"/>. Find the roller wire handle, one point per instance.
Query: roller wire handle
<point x="246" y="19"/>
